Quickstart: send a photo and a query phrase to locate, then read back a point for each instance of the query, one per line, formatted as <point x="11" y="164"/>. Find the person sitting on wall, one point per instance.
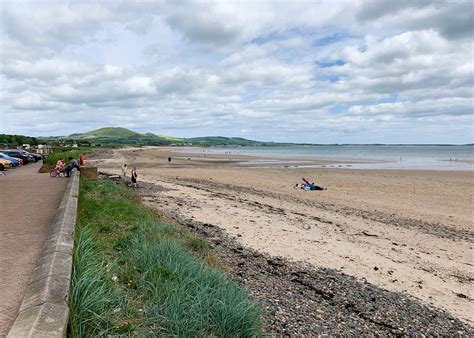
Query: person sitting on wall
<point x="71" y="165"/>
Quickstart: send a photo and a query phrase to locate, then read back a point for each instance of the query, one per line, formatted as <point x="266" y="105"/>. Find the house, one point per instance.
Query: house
<point x="44" y="149"/>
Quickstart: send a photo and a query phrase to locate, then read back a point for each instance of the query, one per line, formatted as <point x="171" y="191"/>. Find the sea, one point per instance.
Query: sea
<point x="421" y="157"/>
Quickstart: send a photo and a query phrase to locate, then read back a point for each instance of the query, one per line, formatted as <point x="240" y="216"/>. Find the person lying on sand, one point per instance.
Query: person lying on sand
<point x="310" y="186"/>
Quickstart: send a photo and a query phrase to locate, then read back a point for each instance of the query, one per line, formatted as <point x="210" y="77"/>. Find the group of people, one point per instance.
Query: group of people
<point x="72" y="164"/>
<point x="133" y="175"/>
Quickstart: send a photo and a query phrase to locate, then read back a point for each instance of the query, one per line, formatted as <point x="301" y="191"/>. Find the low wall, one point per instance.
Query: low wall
<point x="44" y="311"/>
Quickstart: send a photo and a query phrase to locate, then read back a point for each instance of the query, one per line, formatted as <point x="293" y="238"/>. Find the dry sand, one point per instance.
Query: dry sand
<point x="405" y="231"/>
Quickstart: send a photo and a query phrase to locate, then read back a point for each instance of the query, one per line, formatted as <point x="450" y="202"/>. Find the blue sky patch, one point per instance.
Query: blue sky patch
<point x="330" y="63"/>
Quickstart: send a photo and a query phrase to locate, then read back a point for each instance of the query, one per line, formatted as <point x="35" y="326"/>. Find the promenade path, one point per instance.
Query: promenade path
<point x="28" y="203"/>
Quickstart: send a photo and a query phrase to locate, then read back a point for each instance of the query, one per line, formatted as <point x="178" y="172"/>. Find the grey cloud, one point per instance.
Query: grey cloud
<point x="452" y="19"/>
<point x="52" y="27"/>
<point x="375" y="9"/>
<point x="455" y="21"/>
<point x="198" y="27"/>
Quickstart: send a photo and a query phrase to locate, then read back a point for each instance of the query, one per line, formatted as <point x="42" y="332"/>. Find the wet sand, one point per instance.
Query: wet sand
<point x="404" y="231"/>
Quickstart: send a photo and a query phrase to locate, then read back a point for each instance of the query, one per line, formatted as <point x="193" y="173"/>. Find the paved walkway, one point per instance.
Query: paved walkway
<point x="28" y="204"/>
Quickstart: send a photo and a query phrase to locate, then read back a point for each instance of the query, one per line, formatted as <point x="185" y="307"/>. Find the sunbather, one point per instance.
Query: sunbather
<point x="310" y="186"/>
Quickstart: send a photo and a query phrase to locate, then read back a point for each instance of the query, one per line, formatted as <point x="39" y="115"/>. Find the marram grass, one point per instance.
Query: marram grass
<point x="134" y="275"/>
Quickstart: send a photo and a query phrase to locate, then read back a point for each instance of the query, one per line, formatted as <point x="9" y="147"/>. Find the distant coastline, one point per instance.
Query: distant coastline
<point x="421" y="157"/>
<point x="118" y="136"/>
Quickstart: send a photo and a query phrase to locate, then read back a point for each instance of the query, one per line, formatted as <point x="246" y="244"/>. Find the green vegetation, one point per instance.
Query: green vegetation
<point x="17" y="140"/>
<point x="135" y="275"/>
<point x="106" y="132"/>
<point x="123" y="136"/>
<point x="65" y="153"/>
<point x="51" y="159"/>
<point x="229" y="141"/>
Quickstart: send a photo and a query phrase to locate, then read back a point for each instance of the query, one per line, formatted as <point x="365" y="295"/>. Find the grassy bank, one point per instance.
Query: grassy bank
<point x="65" y="153"/>
<point x="135" y="275"/>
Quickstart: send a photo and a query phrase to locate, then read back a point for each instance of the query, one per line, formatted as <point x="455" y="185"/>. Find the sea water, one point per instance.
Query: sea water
<point x="426" y="157"/>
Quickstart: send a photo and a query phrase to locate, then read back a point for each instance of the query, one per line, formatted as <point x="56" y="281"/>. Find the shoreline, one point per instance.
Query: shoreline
<point x="198" y="155"/>
<point x="414" y="226"/>
<point x="317" y="161"/>
<point x="352" y="307"/>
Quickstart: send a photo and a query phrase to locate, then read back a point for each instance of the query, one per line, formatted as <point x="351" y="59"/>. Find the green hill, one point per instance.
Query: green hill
<point x="107" y="132"/>
<point x="122" y="136"/>
<point x="225" y="141"/>
<point x="116" y="136"/>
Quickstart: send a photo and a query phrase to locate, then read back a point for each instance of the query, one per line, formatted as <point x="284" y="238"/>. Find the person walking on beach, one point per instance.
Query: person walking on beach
<point x="133" y="177"/>
<point x="124" y="172"/>
<point x="169" y="159"/>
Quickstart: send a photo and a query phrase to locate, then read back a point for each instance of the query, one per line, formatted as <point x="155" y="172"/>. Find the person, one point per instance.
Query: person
<point x="124" y="172"/>
<point x="310" y="186"/>
<point x="71" y="165"/>
<point x="82" y="159"/>
<point x="133" y="177"/>
<point x="169" y="159"/>
<point x="59" y="165"/>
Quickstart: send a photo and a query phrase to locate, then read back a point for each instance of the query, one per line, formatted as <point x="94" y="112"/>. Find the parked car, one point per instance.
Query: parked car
<point x="15" y="161"/>
<point x="10" y="158"/>
<point x="18" y="154"/>
<point x="30" y="156"/>
<point x="38" y="157"/>
<point x="5" y="164"/>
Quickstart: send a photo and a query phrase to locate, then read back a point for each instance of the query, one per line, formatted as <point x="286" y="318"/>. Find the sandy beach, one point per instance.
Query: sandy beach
<point x="405" y="231"/>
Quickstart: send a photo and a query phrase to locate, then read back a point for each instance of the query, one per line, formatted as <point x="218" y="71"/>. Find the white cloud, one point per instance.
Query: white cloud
<point x="261" y="69"/>
<point x="44" y="69"/>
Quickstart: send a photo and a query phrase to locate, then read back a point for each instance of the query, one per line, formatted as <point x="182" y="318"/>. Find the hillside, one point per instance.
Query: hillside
<point x="224" y="141"/>
<point x="107" y="132"/>
<point x="123" y="136"/>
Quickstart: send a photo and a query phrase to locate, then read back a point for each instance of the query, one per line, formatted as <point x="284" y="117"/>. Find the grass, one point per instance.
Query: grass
<point x="51" y="159"/>
<point x="135" y="275"/>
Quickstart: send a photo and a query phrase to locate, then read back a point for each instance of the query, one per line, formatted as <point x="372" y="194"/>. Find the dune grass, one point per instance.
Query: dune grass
<point x="135" y="275"/>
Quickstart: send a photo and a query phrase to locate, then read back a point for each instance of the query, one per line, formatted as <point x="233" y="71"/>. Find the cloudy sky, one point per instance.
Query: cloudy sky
<point x="379" y="71"/>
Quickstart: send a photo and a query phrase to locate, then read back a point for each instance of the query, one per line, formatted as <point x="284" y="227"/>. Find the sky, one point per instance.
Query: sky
<point x="375" y="71"/>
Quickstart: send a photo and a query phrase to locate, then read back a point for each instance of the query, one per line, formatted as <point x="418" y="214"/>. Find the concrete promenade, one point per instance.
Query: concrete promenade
<point x="28" y="203"/>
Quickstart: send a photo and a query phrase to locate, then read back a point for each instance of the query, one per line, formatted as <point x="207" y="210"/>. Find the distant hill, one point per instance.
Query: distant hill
<point x="108" y="132"/>
<point x="226" y="141"/>
<point x="123" y="136"/>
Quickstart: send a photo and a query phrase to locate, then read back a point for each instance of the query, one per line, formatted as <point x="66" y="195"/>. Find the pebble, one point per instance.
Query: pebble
<point x="297" y="298"/>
